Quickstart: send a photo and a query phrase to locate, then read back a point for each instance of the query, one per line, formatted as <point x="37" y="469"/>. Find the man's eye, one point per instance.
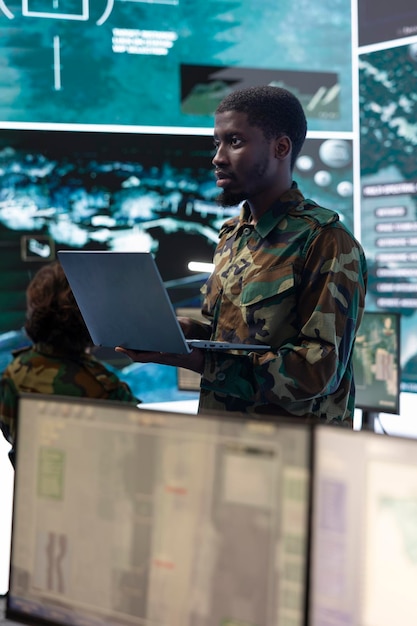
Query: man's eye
<point x="235" y="141"/>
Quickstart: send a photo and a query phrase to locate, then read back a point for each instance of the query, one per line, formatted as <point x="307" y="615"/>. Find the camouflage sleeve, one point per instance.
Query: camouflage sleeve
<point x="122" y="392"/>
<point x="328" y="306"/>
<point x="113" y="387"/>
<point x="36" y="373"/>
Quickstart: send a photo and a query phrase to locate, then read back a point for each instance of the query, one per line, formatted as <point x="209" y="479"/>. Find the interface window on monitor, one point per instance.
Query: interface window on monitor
<point x="128" y="516"/>
<point x="376" y="362"/>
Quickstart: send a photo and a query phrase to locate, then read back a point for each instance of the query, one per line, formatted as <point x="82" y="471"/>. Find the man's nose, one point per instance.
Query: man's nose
<point x="219" y="156"/>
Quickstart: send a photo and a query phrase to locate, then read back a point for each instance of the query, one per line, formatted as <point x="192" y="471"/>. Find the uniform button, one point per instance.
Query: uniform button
<point x="221" y="376"/>
<point x="246" y="231"/>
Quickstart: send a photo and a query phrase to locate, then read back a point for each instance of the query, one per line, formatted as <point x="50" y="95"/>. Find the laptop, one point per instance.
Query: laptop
<point x="124" y="302"/>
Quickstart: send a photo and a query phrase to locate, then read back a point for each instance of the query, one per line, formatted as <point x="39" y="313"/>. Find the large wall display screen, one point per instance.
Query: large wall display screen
<point x="169" y="62"/>
<point x="388" y="138"/>
<point x="131" y="192"/>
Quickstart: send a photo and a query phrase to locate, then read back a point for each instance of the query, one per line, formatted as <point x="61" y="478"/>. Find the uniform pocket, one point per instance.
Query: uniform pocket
<point x="275" y="282"/>
<point x="268" y="304"/>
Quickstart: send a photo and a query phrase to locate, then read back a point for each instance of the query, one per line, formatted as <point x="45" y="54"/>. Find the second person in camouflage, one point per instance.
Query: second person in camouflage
<point x="58" y="361"/>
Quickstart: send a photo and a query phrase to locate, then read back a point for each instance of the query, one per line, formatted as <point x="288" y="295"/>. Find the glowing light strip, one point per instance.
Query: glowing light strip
<point x="199" y="266"/>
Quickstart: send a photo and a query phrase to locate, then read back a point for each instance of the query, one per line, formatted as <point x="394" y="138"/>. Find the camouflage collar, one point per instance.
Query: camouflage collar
<point x="289" y="200"/>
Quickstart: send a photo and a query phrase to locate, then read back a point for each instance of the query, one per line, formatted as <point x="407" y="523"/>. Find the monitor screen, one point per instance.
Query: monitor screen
<point x="388" y="186"/>
<point x="363" y="563"/>
<point x="130" y="192"/>
<point x="376" y="362"/>
<point x="141" y="63"/>
<point x="131" y="516"/>
<point x="126" y="191"/>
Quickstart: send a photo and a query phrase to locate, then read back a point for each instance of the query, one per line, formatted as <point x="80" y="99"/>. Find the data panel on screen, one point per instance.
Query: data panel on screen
<point x="168" y="62"/>
<point x="364" y="566"/>
<point x="131" y="516"/>
<point x="388" y="131"/>
<point x="385" y="21"/>
<point x="376" y="362"/>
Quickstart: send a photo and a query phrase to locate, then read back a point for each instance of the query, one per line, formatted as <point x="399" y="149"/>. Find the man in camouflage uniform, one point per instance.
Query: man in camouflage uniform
<point x="287" y="274"/>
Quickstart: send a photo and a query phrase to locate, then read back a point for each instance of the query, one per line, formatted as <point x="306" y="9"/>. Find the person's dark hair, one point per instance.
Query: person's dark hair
<point x="52" y="314"/>
<point x="274" y="110"/>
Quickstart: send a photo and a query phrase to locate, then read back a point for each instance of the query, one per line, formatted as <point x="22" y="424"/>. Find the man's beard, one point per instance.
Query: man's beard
<point x="228" y="198"/>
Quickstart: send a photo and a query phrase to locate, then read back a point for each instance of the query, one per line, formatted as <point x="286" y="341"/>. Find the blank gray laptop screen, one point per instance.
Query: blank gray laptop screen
<point x="132" y="516"/>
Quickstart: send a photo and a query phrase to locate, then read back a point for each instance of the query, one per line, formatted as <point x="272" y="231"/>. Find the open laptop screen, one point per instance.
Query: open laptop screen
<point x="130" y="516"/>
<point x="124" y="302"/>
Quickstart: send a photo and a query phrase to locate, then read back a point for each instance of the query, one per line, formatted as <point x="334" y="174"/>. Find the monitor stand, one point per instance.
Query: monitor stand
<point x="368" y="420"/>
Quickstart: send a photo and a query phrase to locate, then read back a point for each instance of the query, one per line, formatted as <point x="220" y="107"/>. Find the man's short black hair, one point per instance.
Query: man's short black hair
<point x="276" y="111"/>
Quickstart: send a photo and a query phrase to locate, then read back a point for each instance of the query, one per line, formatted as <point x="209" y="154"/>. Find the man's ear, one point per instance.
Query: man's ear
<point x="283" y="147"/>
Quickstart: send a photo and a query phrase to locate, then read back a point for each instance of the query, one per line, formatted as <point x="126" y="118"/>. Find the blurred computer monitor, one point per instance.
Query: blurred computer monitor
<point x="364" y="530"/>
<point x="130" y="516"/>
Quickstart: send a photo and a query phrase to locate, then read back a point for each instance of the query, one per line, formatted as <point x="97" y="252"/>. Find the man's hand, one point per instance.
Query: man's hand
<point x="193" y="361"/>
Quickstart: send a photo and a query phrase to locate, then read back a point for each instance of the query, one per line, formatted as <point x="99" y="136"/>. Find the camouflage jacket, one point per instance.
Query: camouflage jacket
<point x="296" y="281"/>
<point x="40" y="369"/>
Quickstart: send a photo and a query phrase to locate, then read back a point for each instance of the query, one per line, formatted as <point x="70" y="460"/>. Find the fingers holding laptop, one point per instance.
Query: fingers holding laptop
<point x="193" y="361"/>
